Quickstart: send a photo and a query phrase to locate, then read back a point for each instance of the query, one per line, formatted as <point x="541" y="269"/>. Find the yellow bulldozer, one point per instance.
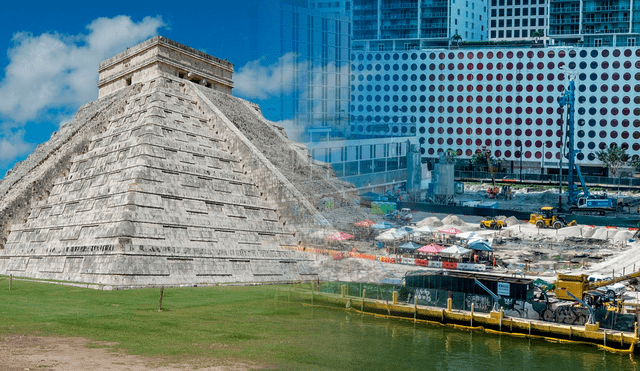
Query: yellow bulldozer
<point x="549" y="219"/>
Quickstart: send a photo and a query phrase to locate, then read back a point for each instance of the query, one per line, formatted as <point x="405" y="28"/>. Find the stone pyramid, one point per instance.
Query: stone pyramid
<point x="154" y="185"/>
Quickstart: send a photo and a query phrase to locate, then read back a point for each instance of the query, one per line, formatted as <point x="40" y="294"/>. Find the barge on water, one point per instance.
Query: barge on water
<point x="504" y="304"/>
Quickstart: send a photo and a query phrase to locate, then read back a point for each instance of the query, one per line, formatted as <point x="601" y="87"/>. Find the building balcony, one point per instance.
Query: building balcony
<point x="568" y="22"/>
<point x="553" y="32"/>
<point x="434" y="35"/>
<point x="399" y="27"/>
<point x="427" y="27"/>
<point x="400" y="35"/>
<point x="429" y="16"/>
<point x="607" y="31"/>
<point x="399" y="6"/>
<point x="357" y="27"/>
<point x="607" y="20"/>
<point x="365" y="7"/>
<point x="608" y="8"/>
<point x="565" y="10"/>
<point x="435" y="4"/>
<point x="408" y="15"/>
<point x="367" y="17"/>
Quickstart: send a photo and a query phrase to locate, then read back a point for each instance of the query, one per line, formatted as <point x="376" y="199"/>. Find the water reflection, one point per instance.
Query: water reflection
<point x="364" y="342"/>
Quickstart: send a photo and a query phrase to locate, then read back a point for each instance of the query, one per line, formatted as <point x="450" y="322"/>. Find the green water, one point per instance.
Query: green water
<point x="343" y="340"/>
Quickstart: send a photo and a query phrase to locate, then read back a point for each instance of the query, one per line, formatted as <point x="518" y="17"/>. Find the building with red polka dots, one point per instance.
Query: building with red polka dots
<point x="502" y="100"/>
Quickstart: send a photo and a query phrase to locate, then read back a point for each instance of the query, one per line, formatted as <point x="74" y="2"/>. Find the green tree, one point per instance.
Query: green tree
<point x="537" y="34"/>
<point x="456" y="39"/>
<point x="635" y="162"/>
<point x="613" y="158"/>
<point x="479" y="162"/>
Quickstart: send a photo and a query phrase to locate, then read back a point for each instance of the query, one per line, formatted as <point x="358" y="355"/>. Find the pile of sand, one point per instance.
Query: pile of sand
<point x="603" y="233"/>
<point x="453" y="220"/>
<point x="574" y="231"/>
<point x="587" y="232"/>
<point x="512" y="220"/>
<point x="430" y="221"/>
<point x="623" y="236"/>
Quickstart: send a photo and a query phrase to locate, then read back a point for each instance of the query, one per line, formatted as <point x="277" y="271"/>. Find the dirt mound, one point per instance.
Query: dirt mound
<point x="587" y="232"/>
<point x="430" y="221"/>
<point x="512" y="220"/>
<point x="574" y="231"/>
<point x="623" y="236"/>
<point x="604" y="233"/>
<point x="453" y="220"/>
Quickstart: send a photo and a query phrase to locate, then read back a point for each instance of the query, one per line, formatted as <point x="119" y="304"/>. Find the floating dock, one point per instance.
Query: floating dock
<point x="493" y="322"/>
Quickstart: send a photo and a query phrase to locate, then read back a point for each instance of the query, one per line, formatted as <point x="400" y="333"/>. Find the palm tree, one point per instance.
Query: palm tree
<point x="456" y="39"/>
<point x="537" y="34"/>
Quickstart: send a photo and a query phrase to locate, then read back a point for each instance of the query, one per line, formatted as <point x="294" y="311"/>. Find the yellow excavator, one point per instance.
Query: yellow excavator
<point x="549" y="219"/>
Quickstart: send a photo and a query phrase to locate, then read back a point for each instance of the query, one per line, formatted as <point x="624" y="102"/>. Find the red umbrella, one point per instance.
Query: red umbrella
<point x="340" y="236"/>
<point x="365" y="223"/>
<point x="450" y="231"/>
<point x="431" y="249"/>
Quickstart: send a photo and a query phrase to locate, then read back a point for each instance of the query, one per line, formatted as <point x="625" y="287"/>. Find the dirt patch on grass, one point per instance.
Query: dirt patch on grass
<point x="56" y="353"/>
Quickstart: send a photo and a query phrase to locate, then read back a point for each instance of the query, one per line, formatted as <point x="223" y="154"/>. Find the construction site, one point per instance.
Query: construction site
<point x="169" y="180"/>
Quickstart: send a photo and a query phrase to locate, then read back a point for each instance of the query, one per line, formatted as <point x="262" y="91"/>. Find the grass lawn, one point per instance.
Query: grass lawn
<point x="225" y="322"/>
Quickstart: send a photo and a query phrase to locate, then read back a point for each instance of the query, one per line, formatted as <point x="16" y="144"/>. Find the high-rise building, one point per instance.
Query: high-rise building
<point x="310" y="48"/>
<point x="318" y="77"/>
<point x="518" y="19"/>
<point x="384" y="25"/>
<point x="595" y="22"/>
<point x="339" y="7"/>
<point x="503" y="100"/>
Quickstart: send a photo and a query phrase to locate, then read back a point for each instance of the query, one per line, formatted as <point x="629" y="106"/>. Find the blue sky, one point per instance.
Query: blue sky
<point x="51" y="50"/>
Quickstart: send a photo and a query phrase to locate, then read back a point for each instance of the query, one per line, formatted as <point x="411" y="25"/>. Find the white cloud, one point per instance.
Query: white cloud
<point x="51" y="75"/>
<point x="54" y="70"/>
<point x="13" y="146"/>
<point x="257" y="81"/>
<point x="293" y="75"/>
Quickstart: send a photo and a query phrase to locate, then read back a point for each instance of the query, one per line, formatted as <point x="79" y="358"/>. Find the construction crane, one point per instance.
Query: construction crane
<point x="586" y="202"/>
<point x="487" y="154"/>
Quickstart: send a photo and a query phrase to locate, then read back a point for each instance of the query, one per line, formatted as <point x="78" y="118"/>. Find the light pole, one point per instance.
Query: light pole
<point x="544" y="145"/>
<point x="521" y="160"/>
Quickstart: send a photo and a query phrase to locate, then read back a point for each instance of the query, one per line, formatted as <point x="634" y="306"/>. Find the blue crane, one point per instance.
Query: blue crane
<point x="586" y="202"/>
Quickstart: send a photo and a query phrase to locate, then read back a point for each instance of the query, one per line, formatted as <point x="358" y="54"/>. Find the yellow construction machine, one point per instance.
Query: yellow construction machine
<point x="492" y="223"/>
<point x="549" y="219"/>
<point x="607" y="292"/>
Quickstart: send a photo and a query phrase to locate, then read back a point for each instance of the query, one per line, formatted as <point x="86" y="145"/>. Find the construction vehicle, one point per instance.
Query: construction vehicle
<point x="607" y="292"/>
<point x="404" y="216"/>
<point x="492" y="224"/>
<point x="487" y="154"/>
<point x="585" y="202"/>
<point x="549" y="219"/>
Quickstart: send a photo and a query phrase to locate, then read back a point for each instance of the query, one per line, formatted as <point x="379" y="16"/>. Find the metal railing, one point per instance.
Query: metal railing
<point x="606" y="20"/>
<point x="563" y="32"/>
<point x="564" y="21"/>
<point x="569" y="9"/>
<point x="607" y="31"/>
<point x="608" y="8"/>
<point x="551" y="178"/>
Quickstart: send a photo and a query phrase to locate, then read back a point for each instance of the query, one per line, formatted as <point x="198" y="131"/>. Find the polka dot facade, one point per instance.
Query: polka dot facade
<point x="504" y="100"/>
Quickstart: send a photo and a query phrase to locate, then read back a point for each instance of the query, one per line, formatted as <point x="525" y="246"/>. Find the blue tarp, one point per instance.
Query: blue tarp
<point x="382" y="225"/>
<point x="479" y="246"/>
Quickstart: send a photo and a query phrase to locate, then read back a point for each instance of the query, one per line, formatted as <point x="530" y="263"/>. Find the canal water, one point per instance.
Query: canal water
<point x="345" y="340"/>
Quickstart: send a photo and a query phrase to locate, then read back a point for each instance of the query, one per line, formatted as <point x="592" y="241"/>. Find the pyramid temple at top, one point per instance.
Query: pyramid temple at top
<point x="166" y="179"/>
